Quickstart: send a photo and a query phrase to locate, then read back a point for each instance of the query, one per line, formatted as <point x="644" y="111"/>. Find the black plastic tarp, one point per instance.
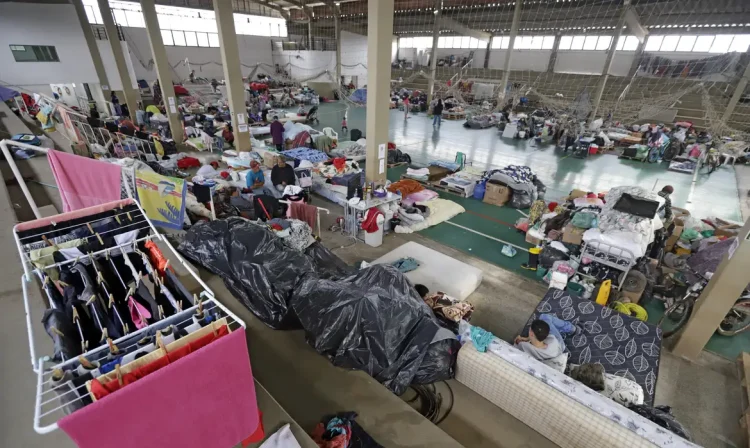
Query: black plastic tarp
<point x="255" y="265"/>
<point x="374" y="321"/>
<point x="371" y="319"/>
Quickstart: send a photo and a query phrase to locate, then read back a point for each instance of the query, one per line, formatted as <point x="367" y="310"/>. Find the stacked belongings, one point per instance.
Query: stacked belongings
<point x="350" y="317"/>
<point x="524" y="184"/>
<point x="480" y="122"/>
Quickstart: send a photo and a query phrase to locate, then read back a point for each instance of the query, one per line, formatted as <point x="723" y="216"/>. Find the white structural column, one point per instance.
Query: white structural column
<point x="100" y="92"/>
<point x="163" y="69"/>
<point x="131" y="94"/>
<point x="726" y="285"/>
<point x="738" y="91"/>
<point x="509" y="53"/>
<point x="230" y="58"/>
<point x="433" y="55"/>
<point x="608" y="62"/>
<point x="337" y="32"/>
<point x="379" y="35"/>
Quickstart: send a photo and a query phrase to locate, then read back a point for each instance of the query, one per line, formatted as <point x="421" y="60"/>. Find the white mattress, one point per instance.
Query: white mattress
<point x="437" y="271"/>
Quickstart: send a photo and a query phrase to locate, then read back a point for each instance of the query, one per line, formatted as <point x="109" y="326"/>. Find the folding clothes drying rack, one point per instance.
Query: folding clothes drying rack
<point x="47" y="410"/>
<point x="317" y="214"/>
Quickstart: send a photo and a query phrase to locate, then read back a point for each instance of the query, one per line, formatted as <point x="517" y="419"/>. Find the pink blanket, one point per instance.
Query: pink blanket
<point x="84" y="182"/>
<point x="419" y="196"/>
<point x="204" y="400"/>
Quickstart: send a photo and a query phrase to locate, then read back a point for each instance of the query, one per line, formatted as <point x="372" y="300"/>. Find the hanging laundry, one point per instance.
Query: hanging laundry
<point x="84" y="182"/>
<point x="138" y="313"/>
<point x="162" y="198"/>
<point x="370" y="223"/>
<point x="233" y="391"/>
<point x="303" y="212"/>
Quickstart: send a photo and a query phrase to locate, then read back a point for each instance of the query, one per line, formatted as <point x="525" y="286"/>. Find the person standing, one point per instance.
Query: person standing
<point x="344" y="126"/>
<point x="437" y="113"/>
<point x="406" y="107"/>
<point x="277" y="133"/>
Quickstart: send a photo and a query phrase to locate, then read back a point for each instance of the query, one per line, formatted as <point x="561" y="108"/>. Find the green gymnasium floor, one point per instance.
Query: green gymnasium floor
<point x="714" y="195"/>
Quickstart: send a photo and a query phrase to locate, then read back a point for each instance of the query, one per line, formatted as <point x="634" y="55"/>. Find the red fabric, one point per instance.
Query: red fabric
<point x="304" y="212"/>
<point x="370" y="224"/>
<point x="391" y="146"/>
<point x="188" y="162"/>
<point x="181" y="91"/>
<point x="300" y="141"/>
<point x="339" y="163"/>
<point x="205" y="400"/>
<point x="258" y="435"/>
<point x="102" y="390"/>
<point x="552" y="206"/>
<point x="157" y="258"/>
<point x="224" y="175"/>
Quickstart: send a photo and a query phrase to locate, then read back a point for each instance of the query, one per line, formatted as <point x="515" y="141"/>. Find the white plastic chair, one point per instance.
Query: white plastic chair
<point x="330" y="133"/>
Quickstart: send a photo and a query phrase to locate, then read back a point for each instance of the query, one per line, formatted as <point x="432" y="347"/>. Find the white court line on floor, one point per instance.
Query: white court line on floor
<point x="487" y="236"/>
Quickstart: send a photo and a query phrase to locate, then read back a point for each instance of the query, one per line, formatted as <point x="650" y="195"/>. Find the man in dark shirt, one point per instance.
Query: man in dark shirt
<point x="277" y="133"/>
<point x="282" y="175"/>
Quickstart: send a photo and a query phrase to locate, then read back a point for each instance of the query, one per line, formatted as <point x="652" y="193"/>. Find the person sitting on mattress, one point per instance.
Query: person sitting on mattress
<point x="545" y="340"/>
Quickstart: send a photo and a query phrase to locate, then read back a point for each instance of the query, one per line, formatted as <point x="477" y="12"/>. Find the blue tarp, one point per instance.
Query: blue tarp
<point x="359" y="96"/>
<point x="7" y="94"/>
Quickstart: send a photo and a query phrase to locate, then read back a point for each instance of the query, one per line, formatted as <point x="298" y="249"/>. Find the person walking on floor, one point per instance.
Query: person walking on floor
<point x="277" y="133"/>
<point x="406" y="108"/>
<point x="344" y="126"/>
<point x="437" y="114"/>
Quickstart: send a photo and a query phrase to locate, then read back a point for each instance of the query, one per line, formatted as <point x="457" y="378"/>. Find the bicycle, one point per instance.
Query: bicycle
<point x="678" y="310"/>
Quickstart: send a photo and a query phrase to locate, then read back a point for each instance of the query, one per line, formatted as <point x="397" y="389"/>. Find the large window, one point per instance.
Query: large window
<point x="590" y="43"/>
<point x="443" y="42"/>
<point x="195" y="21"/>
<point x="719" y="43"/>
<point x="34" y="53"/>
<point x="524" y="43"/>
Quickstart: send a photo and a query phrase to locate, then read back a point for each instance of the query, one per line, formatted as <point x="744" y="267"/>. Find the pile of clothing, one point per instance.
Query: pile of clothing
<point x="421" y="174"/>
<point x="526" y="186"/>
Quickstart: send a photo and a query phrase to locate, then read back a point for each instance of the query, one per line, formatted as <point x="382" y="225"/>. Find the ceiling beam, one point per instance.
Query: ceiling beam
<point x="463" y="30"/>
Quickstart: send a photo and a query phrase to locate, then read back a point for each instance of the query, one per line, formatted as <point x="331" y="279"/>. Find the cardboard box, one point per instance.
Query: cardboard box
<point x="679" y="227"/>
<point x="534" y="237"/>
<point x="680" y="213"/>
<point x="576" y="194"/>
<point x="497" y="194"/>
<point x="572" y="234"/>
<point x="269" y="158"/>
<point x="727" y="231"/>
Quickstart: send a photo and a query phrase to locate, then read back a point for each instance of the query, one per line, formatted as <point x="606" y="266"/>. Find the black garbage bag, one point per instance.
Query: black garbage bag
<point x="397" y="156"/>
<point x="541" y="189"/>
<point x="374" y="321"/>
<point x="521" y="199"/>
<point x="550" y="255"/>
<point x="326" y="263"/>
<point x="440" y="359"/>
<point x="662" y="416"/>
<point x="254" y="264"/>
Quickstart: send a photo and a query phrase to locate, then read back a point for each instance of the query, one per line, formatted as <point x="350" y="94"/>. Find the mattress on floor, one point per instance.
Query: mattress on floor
<point x="437" y="271"/>
<point x="334" y="193"/>
<point x="624" y="345"/>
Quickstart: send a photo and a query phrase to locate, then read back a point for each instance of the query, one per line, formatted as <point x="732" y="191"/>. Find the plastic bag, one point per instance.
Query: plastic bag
<point x="585" y="220"/>
<point x="521" y="199"/>
<point x="479" y="190"/>
<point x="541" y="189"/>
<point x="508" y="251"/>
<point x="550" y="255"/>
<point x="374" y="321"/>
<point x="255" y="265"/>
<point x="689" y="235"/>
<point x="662" y="416"/>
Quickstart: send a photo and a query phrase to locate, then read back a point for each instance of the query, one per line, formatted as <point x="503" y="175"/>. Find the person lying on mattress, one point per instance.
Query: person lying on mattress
<point x="545" y="340"/>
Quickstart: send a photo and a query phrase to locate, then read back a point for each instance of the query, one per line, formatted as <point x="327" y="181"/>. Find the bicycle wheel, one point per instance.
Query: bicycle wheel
<point x="737" y="320"/>
<point x="675" y="317"/>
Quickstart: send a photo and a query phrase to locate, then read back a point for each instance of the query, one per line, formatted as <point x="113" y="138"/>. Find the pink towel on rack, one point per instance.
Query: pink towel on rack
<point x="84" y="182"/>
<point x="303" y="212"/>
<point x="204" y="400"/>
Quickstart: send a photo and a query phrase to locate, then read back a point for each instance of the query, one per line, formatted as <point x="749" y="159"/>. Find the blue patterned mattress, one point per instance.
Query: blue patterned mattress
<point x="624" y="345"/>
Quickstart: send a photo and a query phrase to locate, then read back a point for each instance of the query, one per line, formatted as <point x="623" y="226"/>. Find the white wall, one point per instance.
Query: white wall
<point x="353" y="54"/>
<point x="108" y="60"/>
<point x="307" y="63"/>
<point x="205" y="61"/>
<point x="49" y="24"/>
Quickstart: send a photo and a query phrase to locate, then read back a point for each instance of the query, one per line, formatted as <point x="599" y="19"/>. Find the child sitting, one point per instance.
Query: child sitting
<point x="545" y="341"/>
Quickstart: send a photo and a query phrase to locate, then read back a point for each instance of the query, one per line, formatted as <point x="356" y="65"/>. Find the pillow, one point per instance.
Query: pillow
<point x="559" y="362"/>
<point x="622" y="390"/>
